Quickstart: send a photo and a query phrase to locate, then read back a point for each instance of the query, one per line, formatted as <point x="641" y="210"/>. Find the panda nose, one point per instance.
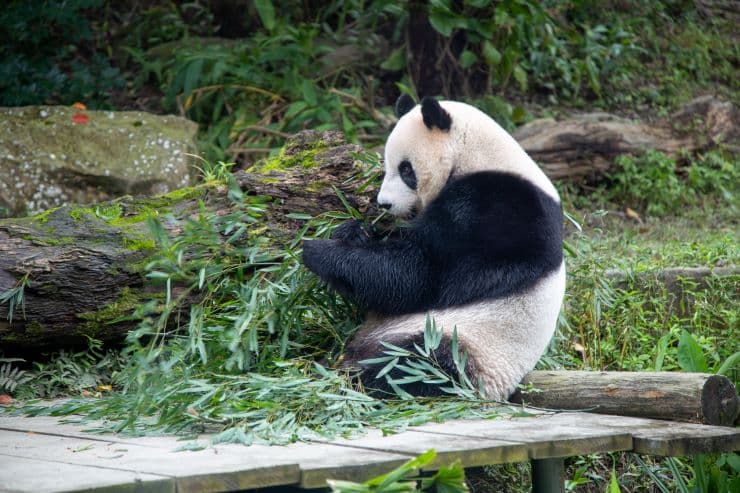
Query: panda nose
<point x="385" y="205"/>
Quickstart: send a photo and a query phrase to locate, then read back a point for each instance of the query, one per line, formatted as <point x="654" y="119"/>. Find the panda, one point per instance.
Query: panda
<point x="482" y="253"/>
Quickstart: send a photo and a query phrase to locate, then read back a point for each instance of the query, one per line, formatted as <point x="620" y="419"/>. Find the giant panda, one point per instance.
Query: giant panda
<point x="482" y="254"/>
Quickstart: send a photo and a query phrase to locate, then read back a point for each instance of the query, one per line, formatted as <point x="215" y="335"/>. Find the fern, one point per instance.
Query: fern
<point x="10" y="377"/>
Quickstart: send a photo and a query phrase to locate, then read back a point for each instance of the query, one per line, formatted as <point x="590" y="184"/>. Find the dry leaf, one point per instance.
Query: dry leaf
<point x="631" y="214"/>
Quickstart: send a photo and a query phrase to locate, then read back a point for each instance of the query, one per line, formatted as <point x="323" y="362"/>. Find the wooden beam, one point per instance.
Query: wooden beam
<point x="689" y="397"/>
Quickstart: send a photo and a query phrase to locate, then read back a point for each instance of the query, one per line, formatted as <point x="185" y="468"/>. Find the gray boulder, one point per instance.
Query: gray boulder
<point x="54" y="155"/>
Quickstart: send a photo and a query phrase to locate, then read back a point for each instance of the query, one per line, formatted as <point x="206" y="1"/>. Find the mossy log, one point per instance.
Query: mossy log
<point x="690" y="397"/>
<point x="81" y="267"/>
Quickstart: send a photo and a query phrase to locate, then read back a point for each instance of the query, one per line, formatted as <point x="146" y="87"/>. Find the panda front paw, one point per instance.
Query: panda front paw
<point x="313" y="252"/>
<point x="353" y="233"/>
<point x="320" y="257"/>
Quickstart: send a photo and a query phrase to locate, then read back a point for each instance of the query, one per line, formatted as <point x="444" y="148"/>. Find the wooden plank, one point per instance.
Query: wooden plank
<point x="650" y="436"/>
<point x="23" y="475"/>
<point x="659" y="437"/>
<point x="194" y="471"/>
<point x="51" y="425"/>
<point x="319" y="462"/>
<point x="470" y="451"/>
<point x="227" y="467"/>
<point x="544" y="436"/>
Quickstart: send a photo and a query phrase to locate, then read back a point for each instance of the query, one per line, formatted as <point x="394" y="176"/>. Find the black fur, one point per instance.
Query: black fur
<point x="487" y="235"/>
<point x="380" y="387"/>
<point x="407" y="173"/>
<point x="434" y="115"/>
<point x="404" y="104"/>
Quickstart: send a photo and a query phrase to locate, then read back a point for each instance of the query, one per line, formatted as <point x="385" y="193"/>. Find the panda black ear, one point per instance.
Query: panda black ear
<point x="434" y="115"/>
<point x="404" y="103"/>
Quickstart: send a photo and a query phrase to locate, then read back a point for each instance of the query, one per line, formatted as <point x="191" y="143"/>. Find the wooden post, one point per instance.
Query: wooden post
<point x="690" y="397"/>
<point x="548" y="475"/>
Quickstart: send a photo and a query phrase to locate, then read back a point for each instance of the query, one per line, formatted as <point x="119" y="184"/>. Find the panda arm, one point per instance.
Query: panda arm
<point x="390" y="277"/>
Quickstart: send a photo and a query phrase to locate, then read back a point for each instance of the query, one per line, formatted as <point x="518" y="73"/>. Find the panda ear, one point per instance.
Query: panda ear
<point x="404" y="103"/>
<point x="434" y="115"/>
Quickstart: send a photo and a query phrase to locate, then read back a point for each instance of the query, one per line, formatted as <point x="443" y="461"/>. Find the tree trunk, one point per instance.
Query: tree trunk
<point x="691" y="397"/>
<point x="81" y="267"/>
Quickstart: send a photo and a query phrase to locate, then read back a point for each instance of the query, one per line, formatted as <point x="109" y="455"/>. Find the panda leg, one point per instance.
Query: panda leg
<point x="367" y="346"/>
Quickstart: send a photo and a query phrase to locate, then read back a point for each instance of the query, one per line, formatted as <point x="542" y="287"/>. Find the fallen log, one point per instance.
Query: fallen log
<point x="690" y="397"/>
<point x="79" y="270"/>
<point x="582" y="148"/>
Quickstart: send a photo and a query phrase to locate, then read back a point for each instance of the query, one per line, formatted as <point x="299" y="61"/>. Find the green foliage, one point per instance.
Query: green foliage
<point x="13" y="298"/>
<point x="423" y="366"/>
<point x="682" y="54"/>
<point x="64" y="374"/>
<point x="653" y="182"/>
<point x="10" y="377"/>
<point x="522" y="41"/>
<point x="613" y="486"/>
<point x="249" y="96"/>
<point x="49" y="56"/>
<point x="447" y="479"/>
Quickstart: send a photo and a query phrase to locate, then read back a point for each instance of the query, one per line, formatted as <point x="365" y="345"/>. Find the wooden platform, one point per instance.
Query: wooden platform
<point x="42" y="455"/>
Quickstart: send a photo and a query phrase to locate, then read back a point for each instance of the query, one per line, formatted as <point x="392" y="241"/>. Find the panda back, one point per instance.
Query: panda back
<point x="490" y="235"/>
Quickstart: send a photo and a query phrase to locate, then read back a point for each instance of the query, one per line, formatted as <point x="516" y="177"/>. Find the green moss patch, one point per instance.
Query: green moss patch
<point x="305" y="159"/>
<point x="127" y="301"/>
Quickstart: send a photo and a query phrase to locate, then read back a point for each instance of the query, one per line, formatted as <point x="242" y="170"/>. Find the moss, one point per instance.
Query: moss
<point x="143" y="212"/>
<point x="109" y="212"/>
<point x="78" y="213"/>
<point x="127" y="301"/>
<point x="147" y="207"/>
<point x="43" y="217"/>
<point x="305" y="159"/>
<point x="183" y="194"/>
<point x="258" y="232"/>
<point x="316" y="186"/>
<point x="137" y="244"/>
<point x="34" y="328"/>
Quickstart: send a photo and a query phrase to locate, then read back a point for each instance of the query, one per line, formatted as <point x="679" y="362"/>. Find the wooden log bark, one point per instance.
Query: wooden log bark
<point x="81" y="267"/>
<point x="690" y="397"/>
<point x="582" y="148"/>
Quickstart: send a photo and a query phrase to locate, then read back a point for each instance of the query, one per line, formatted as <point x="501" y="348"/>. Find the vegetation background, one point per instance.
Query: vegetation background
<point x="252" y="73"/>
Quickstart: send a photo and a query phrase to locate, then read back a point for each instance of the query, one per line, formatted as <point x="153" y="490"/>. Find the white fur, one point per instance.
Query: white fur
<point x="475" y="142"/>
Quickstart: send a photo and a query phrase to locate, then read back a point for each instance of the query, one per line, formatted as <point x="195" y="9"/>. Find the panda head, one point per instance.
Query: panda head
<point x="435" y="142"/>
<point x="418" y="161"/>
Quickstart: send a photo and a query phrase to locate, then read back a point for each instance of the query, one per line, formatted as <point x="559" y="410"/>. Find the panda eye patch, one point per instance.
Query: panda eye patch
<point x="406" y="171"/>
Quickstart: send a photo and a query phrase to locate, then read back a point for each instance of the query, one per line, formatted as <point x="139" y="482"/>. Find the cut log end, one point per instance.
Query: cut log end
<point x="720" y="404"/>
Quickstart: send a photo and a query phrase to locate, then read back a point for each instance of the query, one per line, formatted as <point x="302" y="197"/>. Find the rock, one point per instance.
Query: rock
<point x="53" y="155"/>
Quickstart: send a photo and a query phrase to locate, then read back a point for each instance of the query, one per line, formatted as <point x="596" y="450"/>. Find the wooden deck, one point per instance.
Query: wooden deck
<point x="42" y="455"/>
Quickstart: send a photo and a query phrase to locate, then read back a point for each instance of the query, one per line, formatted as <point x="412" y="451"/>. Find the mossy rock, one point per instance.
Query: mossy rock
<point x="54" y="155"/>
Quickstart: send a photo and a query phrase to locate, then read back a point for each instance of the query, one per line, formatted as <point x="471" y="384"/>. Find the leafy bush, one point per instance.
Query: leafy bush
<point x="654" y="182"/>
<point x="522" y="40"/>
<point x="48" y="55"/>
